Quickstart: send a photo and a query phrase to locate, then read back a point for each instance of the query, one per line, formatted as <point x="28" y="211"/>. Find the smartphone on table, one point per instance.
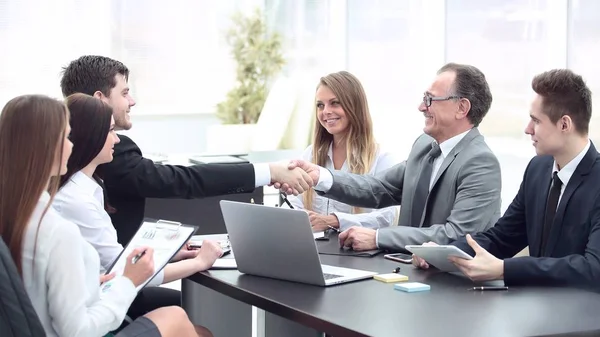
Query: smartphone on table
<point x="399" y="257"/>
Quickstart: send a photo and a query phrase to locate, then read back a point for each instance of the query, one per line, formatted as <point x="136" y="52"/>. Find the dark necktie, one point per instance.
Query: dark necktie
<point x="422" y="190"/>
<point x="551" y="205"/>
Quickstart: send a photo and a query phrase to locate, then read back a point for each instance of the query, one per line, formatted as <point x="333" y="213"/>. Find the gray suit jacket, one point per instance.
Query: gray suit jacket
<point x="465" y="197"/>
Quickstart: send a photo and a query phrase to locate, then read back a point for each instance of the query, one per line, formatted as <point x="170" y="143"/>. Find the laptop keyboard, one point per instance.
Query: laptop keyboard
<point x="330" y="276"/>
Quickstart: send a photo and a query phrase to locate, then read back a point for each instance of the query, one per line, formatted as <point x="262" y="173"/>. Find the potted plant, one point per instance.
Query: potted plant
<point x="259" y="59"/>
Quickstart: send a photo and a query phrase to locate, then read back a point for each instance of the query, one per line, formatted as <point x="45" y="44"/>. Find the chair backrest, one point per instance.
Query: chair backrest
<point x="17" y="316"/>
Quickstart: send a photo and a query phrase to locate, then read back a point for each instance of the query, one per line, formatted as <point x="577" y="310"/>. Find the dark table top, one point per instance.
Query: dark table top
<point x="373" y="308"/>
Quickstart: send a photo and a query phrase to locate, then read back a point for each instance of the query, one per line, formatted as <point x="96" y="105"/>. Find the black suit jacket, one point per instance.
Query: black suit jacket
<point x="130" y="178"/>
<point x="572" y="254"/>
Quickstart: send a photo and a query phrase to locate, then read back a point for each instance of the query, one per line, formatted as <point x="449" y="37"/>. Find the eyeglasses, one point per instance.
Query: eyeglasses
<point x="427" y="99"/>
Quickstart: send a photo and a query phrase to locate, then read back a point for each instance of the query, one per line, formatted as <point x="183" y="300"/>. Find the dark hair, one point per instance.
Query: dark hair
<point x="90" y="125"/>
<point x="32" y="133"/>
<point x="470" y="83"/>
<point x="91" y="73"/>
<point x="565" y="93"/>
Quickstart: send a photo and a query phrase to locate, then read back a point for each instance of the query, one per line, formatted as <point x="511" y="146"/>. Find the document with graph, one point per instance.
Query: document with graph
<point x="165" y="237"/>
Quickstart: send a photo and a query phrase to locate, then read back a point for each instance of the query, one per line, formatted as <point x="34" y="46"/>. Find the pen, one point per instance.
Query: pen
<point x="137" y="257"/>
<point x="333" y="228"/>
<point x="285" y="199"/>
<point x="490" y="288"/>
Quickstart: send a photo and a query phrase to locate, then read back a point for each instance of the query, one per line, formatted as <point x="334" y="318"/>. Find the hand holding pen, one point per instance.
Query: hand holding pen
<point x="140" y="265"/>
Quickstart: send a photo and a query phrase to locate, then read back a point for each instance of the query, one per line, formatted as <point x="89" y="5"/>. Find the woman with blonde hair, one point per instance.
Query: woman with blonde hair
<point x="344" y="140"/>
<point x="59" y="268"/>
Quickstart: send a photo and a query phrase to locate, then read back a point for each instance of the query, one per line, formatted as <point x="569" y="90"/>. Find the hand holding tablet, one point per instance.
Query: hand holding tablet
<point x="437" y="256"/>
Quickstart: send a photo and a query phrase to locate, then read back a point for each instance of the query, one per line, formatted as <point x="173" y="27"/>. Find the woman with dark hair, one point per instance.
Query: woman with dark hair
<point x="81" y="200"/>
<point x="59" y="268"/>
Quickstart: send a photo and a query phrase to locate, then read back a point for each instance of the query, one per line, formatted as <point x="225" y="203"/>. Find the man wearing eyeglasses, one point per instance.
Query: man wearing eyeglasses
<point x="449" y="185"/>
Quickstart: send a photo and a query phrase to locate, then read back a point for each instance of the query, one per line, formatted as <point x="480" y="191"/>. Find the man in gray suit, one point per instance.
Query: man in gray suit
<point x="449" y="185"/>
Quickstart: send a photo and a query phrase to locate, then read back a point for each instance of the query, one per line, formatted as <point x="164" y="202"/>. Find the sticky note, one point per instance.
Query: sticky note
<point x="411" y="287"/>
<point x="391" y="277"/>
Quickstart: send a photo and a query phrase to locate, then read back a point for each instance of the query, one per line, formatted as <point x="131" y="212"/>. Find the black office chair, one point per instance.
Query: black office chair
<point x="17" y="316"/>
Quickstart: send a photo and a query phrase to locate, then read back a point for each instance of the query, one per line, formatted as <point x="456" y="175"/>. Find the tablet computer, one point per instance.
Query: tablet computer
<point x="437" y="256"/>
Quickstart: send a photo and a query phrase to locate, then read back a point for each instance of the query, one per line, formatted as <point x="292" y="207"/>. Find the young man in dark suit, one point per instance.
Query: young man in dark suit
<point x="130" y="178"/>
<point x="557" y="209"/>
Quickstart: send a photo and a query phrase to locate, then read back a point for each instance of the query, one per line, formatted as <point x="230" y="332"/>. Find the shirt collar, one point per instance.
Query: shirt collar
<point x="330" y="157"/>
<point x="566" y="172"/>
<point x="86" y="183"/>
<point x="449" y="144"/>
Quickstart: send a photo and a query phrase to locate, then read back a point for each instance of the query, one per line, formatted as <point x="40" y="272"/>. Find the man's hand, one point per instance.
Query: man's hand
<point x="419" y="262"/>
<point x="208" y="254"/>
<point x="358" y="238"/>
<point x="311" y="169"/>
<point x="321" y="222"/>
<point x="290" y="181"/>
<point x="483" y="267"/>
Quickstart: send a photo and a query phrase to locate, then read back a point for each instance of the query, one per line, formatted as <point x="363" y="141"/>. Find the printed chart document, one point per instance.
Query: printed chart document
<point x="165" y="237"/>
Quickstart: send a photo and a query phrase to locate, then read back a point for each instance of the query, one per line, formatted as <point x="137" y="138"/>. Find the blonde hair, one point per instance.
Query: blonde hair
<point x="361" y="147"/>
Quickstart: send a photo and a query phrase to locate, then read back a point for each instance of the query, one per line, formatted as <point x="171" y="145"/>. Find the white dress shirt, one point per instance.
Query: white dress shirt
<point x="262" y="174"/>
<point x="81" y="201"/>
<point x="326" y="179"/>
<point x="370" y="218"/>
<point x="566" y="172"/>
<point x="61" y="278"/>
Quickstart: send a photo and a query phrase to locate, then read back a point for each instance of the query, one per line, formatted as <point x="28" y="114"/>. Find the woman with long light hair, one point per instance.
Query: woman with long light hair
<point x="344" y="140"/>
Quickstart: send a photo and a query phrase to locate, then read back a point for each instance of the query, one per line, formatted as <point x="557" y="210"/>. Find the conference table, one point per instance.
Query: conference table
<point x="222" y="300"/>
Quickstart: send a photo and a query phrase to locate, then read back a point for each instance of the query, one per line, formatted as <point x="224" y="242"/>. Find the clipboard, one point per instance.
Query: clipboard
<point x="165" y="237"/>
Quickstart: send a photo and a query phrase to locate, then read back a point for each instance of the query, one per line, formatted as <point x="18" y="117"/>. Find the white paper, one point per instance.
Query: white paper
<point x="319" y="235"/>
<point x="165" y="239"/>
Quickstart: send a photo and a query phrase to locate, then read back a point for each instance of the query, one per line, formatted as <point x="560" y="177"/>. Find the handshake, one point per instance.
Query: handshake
<point x="295" y="177"/>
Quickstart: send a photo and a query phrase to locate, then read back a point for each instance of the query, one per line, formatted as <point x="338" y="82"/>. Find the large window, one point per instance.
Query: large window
<point x="384" y="41"/>
<point x="509" y="41"/>
<point x="584" y="51"/>
<point x="177" y="53"/>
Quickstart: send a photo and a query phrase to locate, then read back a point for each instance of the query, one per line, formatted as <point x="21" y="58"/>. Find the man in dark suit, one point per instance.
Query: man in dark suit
<point x="448" y="186"/>
<point x="557" y="209"/>
<point x="130" y="178"/>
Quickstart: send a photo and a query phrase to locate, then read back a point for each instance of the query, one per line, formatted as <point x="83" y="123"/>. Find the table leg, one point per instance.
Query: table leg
<point x="276" y="326"/>
<point x="222" y="315"/>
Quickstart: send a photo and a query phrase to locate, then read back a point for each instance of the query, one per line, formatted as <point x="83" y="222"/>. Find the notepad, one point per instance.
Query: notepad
<point x="391" y="277"/>
<point x="411" y="287"/>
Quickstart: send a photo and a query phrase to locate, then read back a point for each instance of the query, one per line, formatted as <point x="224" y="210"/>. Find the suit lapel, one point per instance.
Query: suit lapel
<point x="455" y="151"/>
<point x="582" y="170"/>
<point x="446" y="163"/>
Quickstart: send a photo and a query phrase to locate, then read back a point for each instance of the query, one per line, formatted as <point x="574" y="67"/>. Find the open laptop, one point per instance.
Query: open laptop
<point x="279" y="243"/>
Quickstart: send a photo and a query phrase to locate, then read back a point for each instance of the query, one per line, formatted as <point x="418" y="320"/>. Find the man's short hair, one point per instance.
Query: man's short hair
<point x="91" y="73"/>
<point x="470" y="83"/>
<point x="565" y="93"/>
